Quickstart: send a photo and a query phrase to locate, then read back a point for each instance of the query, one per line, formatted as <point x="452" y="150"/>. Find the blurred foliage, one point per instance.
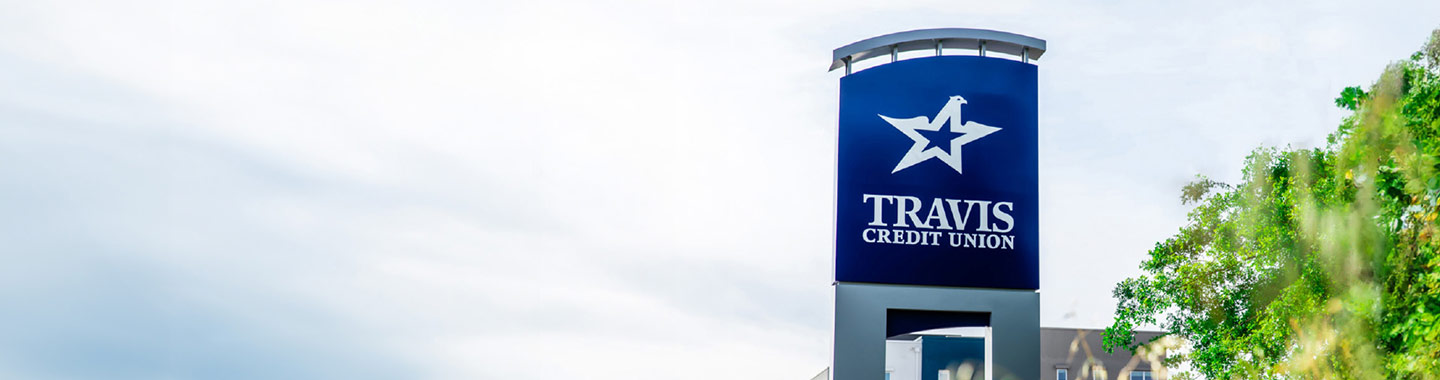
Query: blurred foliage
<point x="1321" y="263"/>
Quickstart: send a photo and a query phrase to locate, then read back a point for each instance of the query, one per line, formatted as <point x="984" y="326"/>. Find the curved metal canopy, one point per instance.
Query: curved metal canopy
<point x="950" y="38"/>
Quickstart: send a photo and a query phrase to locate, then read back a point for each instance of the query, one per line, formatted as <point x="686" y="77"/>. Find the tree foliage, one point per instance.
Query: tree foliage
<point x="1319" y="263"/>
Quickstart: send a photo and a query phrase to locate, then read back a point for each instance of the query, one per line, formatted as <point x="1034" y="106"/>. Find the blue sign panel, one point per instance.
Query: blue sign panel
<point x="938" y="174"/>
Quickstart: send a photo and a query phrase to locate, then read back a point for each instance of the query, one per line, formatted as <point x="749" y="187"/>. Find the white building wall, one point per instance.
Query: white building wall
<point x="902" y="359"/>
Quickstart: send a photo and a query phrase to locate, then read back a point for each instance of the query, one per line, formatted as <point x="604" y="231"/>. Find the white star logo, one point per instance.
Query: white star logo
<point x="925" y="149"/>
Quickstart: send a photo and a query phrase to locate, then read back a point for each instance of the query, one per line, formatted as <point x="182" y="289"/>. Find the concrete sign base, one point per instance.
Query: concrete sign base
<point x="861" y="325"/>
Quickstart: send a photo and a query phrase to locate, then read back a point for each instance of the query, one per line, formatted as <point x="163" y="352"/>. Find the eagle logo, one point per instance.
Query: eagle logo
<point x="932" y="142"/>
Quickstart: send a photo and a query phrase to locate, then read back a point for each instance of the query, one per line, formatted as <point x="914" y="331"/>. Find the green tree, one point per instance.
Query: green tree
<point x="1319" y="263"/>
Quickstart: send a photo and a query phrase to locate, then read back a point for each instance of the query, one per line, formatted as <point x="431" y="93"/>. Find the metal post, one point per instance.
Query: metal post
<point x="894" y="53"/>
<point x="939" y="48"/>
<point x="982" y="48"/>
<point x="989" y="354"/>
<point x="1025" y="54"/>
<point x="847" y="65"/>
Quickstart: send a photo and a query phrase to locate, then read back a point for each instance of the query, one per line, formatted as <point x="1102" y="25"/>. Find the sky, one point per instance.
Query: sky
<point x="564" y="189"/>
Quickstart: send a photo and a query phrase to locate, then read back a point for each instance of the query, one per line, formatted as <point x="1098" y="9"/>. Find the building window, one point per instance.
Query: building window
<point x="1141" y="375"/>
<point x="1062" y="374"/>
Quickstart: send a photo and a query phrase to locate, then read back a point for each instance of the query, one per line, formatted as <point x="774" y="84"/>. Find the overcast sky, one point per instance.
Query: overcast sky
<point x="563" y="190"/>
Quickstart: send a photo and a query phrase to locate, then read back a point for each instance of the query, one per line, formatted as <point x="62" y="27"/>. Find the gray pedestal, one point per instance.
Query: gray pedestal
<point x="860" y="321"/>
